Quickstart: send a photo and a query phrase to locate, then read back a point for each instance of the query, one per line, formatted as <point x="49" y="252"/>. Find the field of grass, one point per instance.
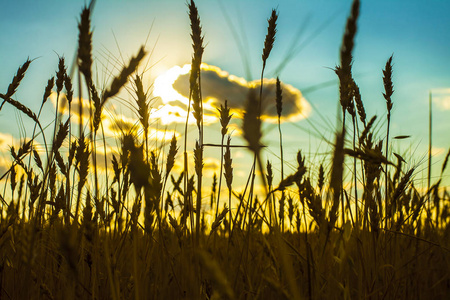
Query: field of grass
<point x="70" y="230"/>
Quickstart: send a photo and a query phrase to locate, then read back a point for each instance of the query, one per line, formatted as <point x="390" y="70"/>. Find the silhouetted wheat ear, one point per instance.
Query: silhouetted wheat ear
<point x="97" y="106"/>
<point x="12" y="88"/>
<point x="291" y="208"/>
<point x="171" y="156"/>
<point x="367" y="129"/>
<point x="348" y="39"/>
<point x="225" y="117"/>
<point x="137" y="166"/>
<point x="198" y="158"/>
<point x="444" y="165"/>
<point x="321" y="179"/>
<point x="344" y="71"/>
<point x="60" y="161"/>
<point x="269" y="174"/>
<point x="388" y="86"/>
<point x="279" y="106"/>
<point x="197" y="43"/>
<point x="85" y="44"/>
<point x="63" y="131"/>
<point x="48" y="89"/>
<point x="69" y="89"/>
<point x="72" y="151"/>
<point x="87" y="217"/>
<point x="24" y="148"/>
<point x="213" y="190"/>
<point x="359" y="103"/>
<point x="301" y="168"/>
<point x="281" y="203"/>
<point x="402" y="185"/>
<point x="82" y="159"/>
<point x="228" y="169"/>
<point x="60" y="75"/>
<point x="119" y="81"/>
<point x="279" y="98"/>
<point x="313" y="202"/>
<point x="389" y="90"/>
<point x="288" y="181"/>
<point x="22" y="108"/>
<point x="141" y="100"/>
<point x="270" y="37"/>
<point x="37" y="159"/>
<point x="219" y="219"/>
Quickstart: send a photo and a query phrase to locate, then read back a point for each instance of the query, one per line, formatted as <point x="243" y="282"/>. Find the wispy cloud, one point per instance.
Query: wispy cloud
<point x="441" y="97"/>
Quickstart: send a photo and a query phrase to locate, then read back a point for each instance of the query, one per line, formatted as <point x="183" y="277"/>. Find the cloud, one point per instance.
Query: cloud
<point x="6" y="142"/>
<point x="212" y="164"/>
<point x="218" y="85"/>
<point x="115" y="124"/>
<point x="63" y="107"/>
<point x="171" y="90"/>
<point x="435" y="151"/>
<point x="441" y="97"/>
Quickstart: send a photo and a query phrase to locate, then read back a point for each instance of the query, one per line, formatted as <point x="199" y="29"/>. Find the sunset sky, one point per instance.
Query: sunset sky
<point x="306" y="50"/>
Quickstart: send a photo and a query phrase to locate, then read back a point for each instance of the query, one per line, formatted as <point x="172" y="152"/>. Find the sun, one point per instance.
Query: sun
<point x="163" y="85"/>
<point x="171" y="111"/>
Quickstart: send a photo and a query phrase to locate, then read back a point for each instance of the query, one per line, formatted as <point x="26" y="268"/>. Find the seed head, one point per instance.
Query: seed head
<point x="270" y="37"/>
<point x="388" y="86"/>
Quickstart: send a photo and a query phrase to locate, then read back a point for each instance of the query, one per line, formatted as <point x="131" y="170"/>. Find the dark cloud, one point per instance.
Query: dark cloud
<point x="218" y="85"/>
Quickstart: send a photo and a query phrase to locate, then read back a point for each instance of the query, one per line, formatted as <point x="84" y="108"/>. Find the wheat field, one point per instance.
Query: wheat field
<point x="141" y="223"/>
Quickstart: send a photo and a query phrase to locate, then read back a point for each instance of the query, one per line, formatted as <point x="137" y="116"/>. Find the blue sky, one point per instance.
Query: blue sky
<point x="416" y="32"/>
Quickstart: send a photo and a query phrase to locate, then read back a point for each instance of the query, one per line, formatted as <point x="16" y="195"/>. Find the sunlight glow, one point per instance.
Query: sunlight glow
<point x="169" y="113"/>
<point x="163" y="85"/>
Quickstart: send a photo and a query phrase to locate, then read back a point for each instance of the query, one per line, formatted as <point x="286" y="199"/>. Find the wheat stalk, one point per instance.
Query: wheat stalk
<point x="225" y="117"/>
<point x="388" y="88"/>
<point x="228" y="174"/>
<point x="195" y="95"/>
